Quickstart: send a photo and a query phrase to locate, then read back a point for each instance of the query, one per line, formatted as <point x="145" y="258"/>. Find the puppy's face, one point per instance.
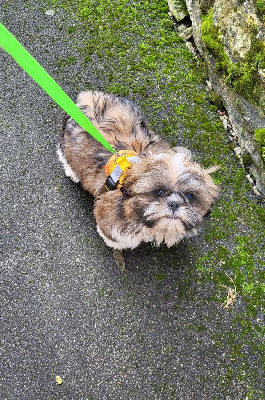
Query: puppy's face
<point x="164" y="198"/>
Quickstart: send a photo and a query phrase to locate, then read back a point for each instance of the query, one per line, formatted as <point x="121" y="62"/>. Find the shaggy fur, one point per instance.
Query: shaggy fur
<point x="164" y="197"/>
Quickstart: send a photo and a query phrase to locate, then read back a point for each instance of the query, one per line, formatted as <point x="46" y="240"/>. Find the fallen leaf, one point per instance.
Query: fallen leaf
<point x="50" y="13"/>
<point x="59" y="380"/>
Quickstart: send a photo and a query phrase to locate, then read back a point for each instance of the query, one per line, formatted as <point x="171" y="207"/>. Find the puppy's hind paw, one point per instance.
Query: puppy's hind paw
<point x="119" y="259"/>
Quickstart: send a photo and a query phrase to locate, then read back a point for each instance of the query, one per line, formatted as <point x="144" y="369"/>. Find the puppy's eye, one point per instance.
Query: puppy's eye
<point x="190" y="196"/>
<point x="163" y="192"/>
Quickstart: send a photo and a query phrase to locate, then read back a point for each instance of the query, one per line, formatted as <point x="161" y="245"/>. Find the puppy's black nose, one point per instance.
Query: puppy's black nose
<point x="173" y="205"/>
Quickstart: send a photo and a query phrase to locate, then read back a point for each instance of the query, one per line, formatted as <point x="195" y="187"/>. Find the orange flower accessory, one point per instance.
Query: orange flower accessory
<point x="117" y="166"/>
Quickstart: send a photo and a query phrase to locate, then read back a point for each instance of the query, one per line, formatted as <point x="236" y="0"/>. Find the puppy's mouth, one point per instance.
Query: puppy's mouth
<point x="176" y="217"/>
<point x="173" y="216"/>
<point x="187" y="220"/>
<point x="182" y="216"/>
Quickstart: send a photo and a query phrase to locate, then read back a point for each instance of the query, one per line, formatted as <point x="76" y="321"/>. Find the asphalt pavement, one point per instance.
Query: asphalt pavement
<point x="67" y="311"/>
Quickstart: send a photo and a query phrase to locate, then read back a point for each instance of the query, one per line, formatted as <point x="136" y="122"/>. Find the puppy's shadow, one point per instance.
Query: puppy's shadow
<point x="164" y="267"/>
<point x="85" y="201"/>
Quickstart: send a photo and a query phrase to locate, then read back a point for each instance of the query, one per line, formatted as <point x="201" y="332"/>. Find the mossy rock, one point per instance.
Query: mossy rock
<point x="178" y="9"/>
<point x="216" y="100"/>
<point x="243" y="76"/>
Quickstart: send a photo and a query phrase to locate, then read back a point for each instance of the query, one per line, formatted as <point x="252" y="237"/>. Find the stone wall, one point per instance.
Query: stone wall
<point x="230" y="36"/>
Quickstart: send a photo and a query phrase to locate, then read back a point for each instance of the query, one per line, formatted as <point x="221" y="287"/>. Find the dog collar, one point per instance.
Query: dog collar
<point x="117" y="166"/>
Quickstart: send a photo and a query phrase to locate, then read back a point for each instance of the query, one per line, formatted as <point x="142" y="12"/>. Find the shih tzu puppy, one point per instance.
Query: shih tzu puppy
<point x="147" y="192"/>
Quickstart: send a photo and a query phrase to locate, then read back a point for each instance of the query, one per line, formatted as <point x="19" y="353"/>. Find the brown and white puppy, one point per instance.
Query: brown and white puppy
<point x="164" y="196"/>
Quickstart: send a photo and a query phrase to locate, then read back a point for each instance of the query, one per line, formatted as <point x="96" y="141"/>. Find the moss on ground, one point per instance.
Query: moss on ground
<point x="131" y="49"/>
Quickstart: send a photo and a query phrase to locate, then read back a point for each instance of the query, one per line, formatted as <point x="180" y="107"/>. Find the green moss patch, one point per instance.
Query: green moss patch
<point x="260" y="137"/>
<point x="260" y="6"/>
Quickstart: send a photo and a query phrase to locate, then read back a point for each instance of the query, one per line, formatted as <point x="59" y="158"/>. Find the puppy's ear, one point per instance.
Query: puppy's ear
<point x="182" y="150"/>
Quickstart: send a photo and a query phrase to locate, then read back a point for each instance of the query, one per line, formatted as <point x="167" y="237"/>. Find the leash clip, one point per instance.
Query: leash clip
<point x="117" y="166"/>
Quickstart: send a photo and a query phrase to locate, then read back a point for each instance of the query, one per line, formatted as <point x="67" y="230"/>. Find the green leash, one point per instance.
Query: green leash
<point x="12" y="46"/>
